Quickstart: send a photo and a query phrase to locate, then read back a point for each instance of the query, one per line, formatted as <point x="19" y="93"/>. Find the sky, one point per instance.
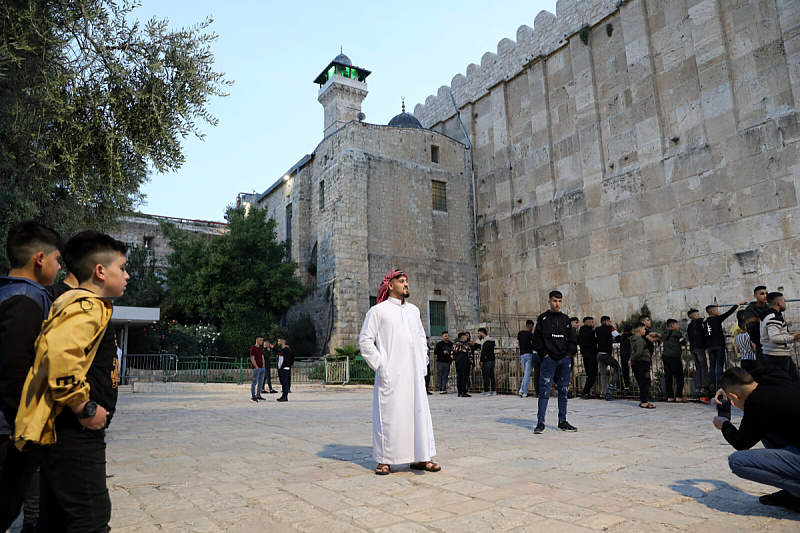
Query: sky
<point x="274" y="50"/>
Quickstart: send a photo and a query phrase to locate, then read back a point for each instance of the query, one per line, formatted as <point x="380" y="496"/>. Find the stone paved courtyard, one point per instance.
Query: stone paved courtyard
<point x="196" y="460"/>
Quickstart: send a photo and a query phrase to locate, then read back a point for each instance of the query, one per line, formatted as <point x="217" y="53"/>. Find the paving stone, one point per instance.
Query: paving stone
<point x="307" y="466"/>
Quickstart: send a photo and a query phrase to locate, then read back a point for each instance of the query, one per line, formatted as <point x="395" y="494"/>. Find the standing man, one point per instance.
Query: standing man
<point x="775" y="336"/>
<point x="587" y="340"/>
<point x="257" y="364"/>
<point x="462" y="355"/>
<point x="715" y="340"/>
<point x="696" y="332"/>
<point x="553" y="339"/>
<point x="392" y="342"/>
<point x="442" y="351"/>
<point x="752" y="320"/>
<point x="530" y="360"/>
<point x="605" y="357"/>
<point x="268" y="347"/>
<point x="487" y="363"/>
<point x="285" y="363"/>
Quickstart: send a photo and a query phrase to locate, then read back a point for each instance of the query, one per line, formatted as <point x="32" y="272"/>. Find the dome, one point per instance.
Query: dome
<point x="343" y="59"/>
<point x="405" y="120"/>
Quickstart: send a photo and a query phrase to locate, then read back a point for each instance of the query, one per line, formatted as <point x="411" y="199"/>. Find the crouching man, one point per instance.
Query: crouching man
<point x="770" y="400"/>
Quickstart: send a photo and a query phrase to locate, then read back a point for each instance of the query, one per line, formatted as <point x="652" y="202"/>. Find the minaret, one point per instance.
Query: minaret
<point x="341" y="90"/>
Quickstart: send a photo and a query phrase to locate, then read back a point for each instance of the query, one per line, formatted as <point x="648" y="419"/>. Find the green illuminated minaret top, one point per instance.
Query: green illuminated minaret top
<point x="342" y="88"/>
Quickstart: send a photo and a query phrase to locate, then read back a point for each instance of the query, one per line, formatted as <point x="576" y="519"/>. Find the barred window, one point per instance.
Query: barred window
<point x="439" y="195"/>
<point x="438" y="318"/>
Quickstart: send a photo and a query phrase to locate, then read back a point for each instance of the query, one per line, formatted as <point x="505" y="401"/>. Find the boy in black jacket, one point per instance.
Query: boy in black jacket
<point x="553" y="339"/>
<point x="285" y="362"/>
<point x="605" y="358"/>
<point x="696" y="333"/>
<point x="770" y="399"/>
<point x="715" y="340"/>
<point x="587" y="341"/>
<point x="625" y="355"/>
<point x="487" y="363"/>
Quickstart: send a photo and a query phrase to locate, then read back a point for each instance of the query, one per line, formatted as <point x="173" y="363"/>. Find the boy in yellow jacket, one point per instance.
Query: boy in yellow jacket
<point x="71" y="391"/>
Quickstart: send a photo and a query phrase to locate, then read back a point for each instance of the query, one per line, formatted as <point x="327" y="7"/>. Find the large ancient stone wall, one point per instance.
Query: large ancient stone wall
<point x="655" y="163"/>
<point x="378" y="215"/>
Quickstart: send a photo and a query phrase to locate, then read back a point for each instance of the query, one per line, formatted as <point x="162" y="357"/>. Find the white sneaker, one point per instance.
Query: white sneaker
<point x="493" y="393"/>
<point x="486" y="393"/>
<point x="521" y="395"/>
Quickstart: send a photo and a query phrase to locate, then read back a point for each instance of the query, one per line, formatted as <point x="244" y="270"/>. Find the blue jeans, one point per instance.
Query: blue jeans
<point x="777" y="465"/>
<point x="443" y="373"/>
<point x="258" y="382"/>
<point x="527" y="365"/>
<point x="716" y="366"/>
<point x="561" y="370"/>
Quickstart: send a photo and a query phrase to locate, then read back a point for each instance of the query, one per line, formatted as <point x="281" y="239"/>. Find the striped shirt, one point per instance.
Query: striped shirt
<point x="745" y="347"/>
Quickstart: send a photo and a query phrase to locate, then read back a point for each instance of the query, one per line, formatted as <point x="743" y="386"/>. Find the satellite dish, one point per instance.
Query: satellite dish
<point x="361" y="117"/>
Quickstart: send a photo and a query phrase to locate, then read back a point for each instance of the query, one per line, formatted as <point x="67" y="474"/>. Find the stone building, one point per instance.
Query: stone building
<point x="370" y="198"/>
<point x="635" y="151"/>
<point x="144" y="231"/>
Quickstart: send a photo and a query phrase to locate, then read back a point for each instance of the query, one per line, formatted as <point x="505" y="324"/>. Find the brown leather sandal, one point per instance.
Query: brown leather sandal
<point x="382" y="469"/>
<point x="647" y="406"/>
<point x="428" y="466"/>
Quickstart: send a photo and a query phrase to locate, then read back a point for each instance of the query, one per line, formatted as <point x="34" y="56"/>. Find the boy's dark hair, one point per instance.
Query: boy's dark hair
<point x="638" y="325"/>
<point x="555" y="294"/>
<point x="735" y="377"/>
<point x="742" y="324"/>
<point x="627" y="329"/>
<point x="259" y="336"/>
<point x="483" y="330"/>
<point x="740" y="315"/>
<point x="574" y="319"/>
<point x="773" y="297"/>
<point x="604" y="318"/>
<point x="445" y="331"/>
<point x="691" y="312"/>
<point x="28" y="238"/>
<point x="87" y="249"/>
<point x="671" y="321"/>
<point x="710" y="307"/>
<point x="759" y="288"/>
<point x="462" y="334"/>
<point x="529" y="322"/>
<point x="642" y="317"/>
<point x="586" y="319"/>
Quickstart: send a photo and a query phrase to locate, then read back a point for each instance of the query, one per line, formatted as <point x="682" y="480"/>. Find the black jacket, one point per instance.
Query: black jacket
<point x="696" y="331"/>
<point x="553" y="335"/>
<point x="605" y="339"/>
<point x="439" y="352"/>
<point x="625" y="345"/>
<point x="774" y="406"/>
<point x="752" y="319"/>
<point x="587" y="340"/>
<point x="714" y="334"/>
<point x="487" y="351"/>
<point x="462" y="354"/>
<point x="288" y="357"/>
<point x="525" y="339"/>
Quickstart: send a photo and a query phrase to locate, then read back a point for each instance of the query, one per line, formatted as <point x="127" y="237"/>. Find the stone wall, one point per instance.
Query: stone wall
<point x="656" y="163"/>
<point x="378" y="215"/>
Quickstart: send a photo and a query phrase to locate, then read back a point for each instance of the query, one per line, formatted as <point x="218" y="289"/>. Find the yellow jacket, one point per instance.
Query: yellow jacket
<point x="65" y="350"/>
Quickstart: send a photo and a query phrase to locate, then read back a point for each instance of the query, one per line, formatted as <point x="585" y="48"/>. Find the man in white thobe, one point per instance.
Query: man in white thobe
<point x="392" y="342"/>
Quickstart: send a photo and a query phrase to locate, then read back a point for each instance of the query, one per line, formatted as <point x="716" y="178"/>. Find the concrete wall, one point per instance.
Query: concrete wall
<point x="656" y="164"/>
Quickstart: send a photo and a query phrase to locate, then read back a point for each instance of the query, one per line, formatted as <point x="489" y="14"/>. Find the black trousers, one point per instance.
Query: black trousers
<point x="641" y="370"/>
<point x="267" y="373"/>
<point x="73" y="492"/>
<point x="673" y="368"/>
<point x="285" y="375"/>
<point x="749" y="364"/>
<point x="590" y="366"/>
<point x="626" y="370"/>
<point x="17" y="470"/>
<point x="489" y="380"/>
<point x="462" y="381"/>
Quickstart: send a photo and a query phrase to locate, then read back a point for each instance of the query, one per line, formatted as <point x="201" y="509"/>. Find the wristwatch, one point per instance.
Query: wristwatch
<point x="89" y="410"/>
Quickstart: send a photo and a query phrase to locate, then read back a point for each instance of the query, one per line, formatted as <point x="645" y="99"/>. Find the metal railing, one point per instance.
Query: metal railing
<point x="229" y="370"/>
<point x="148" y="367"/>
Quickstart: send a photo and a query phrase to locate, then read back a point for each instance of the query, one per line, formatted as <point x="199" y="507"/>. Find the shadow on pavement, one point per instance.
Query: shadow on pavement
<point x="519" y="422"/>
<point x="728" y="499"/>
<point x="360" y="455"/>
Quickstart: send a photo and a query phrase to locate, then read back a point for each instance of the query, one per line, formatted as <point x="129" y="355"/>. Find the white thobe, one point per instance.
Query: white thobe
<point x="393" y="344"/>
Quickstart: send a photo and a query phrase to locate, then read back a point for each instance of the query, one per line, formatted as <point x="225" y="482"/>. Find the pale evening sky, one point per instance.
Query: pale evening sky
<point x="274" y="50"/>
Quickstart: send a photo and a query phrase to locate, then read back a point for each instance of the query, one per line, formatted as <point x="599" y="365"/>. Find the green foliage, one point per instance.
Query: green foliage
<point x="146" y="286"/>
<point x="88" y="101"/>
<point x="302" y="337"/>
<point x="237" y="281"/>
<point x="583" y="33"/>
<point x="609" y="29"/>
<point x="351" y="351"/>
<point x="168" y="336"/>
<point x="658" y="324"/>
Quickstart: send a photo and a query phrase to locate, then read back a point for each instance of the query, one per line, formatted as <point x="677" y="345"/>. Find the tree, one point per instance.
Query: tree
<point x="88" y="101"/>
<point x="239" y="281"/>
<point x="146" y="286"/>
